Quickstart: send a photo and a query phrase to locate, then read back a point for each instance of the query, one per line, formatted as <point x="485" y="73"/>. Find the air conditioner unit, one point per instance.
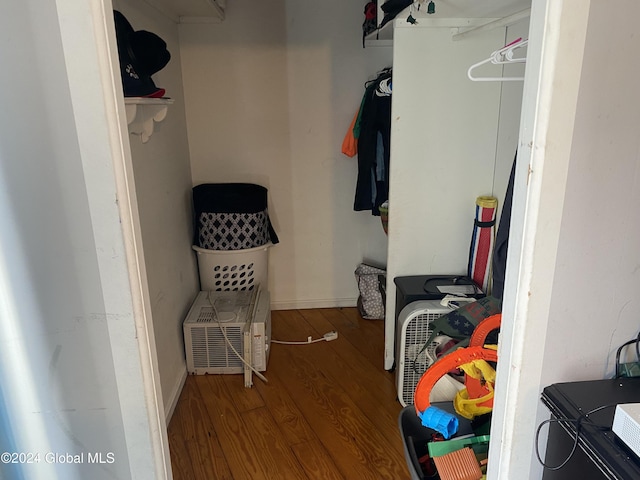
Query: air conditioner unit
<point x="219" y="323"/>
<point x="413" y="329"/>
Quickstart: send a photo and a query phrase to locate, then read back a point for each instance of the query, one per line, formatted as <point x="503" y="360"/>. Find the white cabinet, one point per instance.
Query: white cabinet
<point x="571" y="287"/>
<point x="452" y="140"/>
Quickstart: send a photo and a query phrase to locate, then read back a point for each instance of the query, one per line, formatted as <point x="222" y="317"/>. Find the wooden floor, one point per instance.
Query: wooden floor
<point x="329" y="410"/>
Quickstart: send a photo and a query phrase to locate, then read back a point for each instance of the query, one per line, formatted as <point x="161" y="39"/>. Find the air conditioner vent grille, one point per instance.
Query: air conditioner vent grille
<point x="199" y="347"/>
<point x="205" y="316"/>
<point x="244" y="317"/>
<point x="220" y="355"/>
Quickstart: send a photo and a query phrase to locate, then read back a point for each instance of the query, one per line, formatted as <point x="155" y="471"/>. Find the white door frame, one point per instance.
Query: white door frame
<point x="552" y="80"/>
<point x="98" y="105"/>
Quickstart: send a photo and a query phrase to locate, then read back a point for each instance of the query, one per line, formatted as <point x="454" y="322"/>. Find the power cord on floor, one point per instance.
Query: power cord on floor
<point x="327" y="337"/>
<point x="578" y="422"/>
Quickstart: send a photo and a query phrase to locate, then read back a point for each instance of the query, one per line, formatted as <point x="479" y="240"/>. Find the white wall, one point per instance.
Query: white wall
<point x="447" y="150"/>
<point x="163" y="187"/>
<point x="572" y="277"/>
<point x="269" y="95"/>
<point x="602" y="196"/>
<point x="596" y="281"/>
<point x="66" y="385"/>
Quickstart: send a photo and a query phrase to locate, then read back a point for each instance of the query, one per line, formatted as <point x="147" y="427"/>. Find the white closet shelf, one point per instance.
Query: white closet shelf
<point x="143" y="113"/>
<point x="466" y="16"/>
<point x="381" y="37"/>
<point x="384" y="35"/>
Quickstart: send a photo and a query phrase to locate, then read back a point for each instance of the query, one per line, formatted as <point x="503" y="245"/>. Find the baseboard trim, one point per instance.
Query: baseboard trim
<point x="175" y="395"/>
<point x="317" y="303"/>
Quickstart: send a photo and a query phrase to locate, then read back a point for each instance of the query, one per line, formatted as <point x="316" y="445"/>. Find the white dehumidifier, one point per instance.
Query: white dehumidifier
<point x="225" y="332"/>
<point x="413" y="329"/>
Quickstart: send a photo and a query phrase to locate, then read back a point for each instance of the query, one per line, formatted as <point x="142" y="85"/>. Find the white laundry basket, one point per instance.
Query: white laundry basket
<point x="231" y="270"/>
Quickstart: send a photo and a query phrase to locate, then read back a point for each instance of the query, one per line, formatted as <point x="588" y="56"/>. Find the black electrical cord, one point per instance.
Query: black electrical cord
<point x="619" y="353"/>
<point x="455" y="280"/>
<point x="578" y="422"/>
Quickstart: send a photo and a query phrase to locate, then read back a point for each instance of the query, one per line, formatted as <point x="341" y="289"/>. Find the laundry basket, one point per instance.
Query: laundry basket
<point x="232" y="235"/>
<point x="231" y="216"/>
<point x="231" y="270"/>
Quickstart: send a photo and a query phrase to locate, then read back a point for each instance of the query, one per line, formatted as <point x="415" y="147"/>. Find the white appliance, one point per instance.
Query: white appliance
<point x="219" y="323"/>
<point x="413" y="328"/>
<point x="626" y="425"/>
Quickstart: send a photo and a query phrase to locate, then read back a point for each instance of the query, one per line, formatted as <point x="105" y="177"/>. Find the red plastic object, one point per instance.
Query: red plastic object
<point x="442" y="367"/>
<point x="484" y="328"/>
<point x="475" y="387"/>
<point x="474" y="351"/>
<point x="458" y="465"/>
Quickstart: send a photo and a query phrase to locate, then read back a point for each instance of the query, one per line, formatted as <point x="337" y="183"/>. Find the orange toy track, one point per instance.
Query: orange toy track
<point x="475" y="388"/>
<point x="441" y="421"/>
<point x="443" y="366"/>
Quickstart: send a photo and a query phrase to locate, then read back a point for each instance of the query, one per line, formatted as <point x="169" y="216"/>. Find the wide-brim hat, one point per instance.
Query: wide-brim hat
<point x="141" y="54"/>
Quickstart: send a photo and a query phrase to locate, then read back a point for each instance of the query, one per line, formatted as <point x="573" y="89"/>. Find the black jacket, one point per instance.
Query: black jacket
<point x="372" y="186"/>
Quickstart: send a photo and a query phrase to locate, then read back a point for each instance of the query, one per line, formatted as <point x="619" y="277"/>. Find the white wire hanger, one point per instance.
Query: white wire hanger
<point x="500" y="57"/>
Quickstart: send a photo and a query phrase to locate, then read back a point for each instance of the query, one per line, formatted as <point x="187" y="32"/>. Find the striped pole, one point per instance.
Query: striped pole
<point x="482" y="242"/>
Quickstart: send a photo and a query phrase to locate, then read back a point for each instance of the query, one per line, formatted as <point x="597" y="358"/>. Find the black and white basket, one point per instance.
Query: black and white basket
<point x="232" y="236"/>
<point x="231" y="216"/>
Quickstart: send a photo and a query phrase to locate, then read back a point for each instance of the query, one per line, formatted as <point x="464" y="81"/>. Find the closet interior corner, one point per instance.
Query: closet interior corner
<point x="452" y="139"/>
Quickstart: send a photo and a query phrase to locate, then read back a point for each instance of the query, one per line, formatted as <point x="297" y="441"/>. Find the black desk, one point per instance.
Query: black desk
<point x="601" y="455"/>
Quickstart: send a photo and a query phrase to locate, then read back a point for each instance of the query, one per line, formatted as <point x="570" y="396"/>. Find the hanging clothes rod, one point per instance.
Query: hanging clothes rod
<point x="500" y="57"/>
<point x="501" y="22"/>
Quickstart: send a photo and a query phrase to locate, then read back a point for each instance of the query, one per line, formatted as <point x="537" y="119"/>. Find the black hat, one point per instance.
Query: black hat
<point x="141" y="55"/>
<point x="392" y="8"/>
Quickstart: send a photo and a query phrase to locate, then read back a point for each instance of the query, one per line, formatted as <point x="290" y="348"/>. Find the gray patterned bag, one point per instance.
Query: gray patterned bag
<point x="371" y="300"/>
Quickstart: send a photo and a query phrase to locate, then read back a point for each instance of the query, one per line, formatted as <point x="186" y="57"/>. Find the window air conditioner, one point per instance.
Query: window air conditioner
<point x="222" y="328"/>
